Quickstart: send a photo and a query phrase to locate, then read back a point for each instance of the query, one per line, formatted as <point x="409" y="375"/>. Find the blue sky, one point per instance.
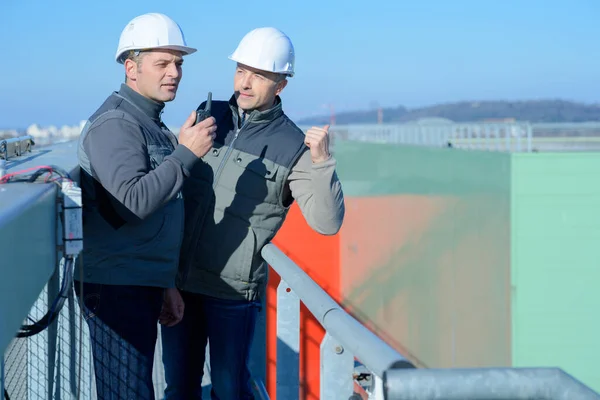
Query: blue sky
<point x="58" y="61"/>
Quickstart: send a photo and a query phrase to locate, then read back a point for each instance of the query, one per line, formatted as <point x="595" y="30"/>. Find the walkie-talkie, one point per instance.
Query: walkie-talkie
<point x="203" y="113"/>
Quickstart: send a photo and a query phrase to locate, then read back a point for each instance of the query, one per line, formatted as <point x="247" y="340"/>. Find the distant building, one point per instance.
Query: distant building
<point x="432" y="121"/>
<point x="501" y="120"/>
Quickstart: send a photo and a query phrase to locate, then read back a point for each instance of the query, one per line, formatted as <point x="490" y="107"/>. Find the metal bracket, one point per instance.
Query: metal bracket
<point x="337" y="368"/>
<point x="15" y="147"/>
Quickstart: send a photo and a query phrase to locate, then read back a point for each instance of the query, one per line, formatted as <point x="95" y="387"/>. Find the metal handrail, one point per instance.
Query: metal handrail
<point x="18" y="139"/>
<point x="14" y="147"/>
<point x="401" y="380"/>
<point x="485" y="383"/>
<point x="371" y="350"/>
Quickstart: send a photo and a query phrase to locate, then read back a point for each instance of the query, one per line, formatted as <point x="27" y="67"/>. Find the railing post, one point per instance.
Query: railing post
<point x="529" y="137"/>
<point x="288" y="343"/>
<point x="337" y="367"/>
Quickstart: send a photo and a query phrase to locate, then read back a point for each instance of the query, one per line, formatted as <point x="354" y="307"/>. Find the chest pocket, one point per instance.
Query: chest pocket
<point x="256" y="177"/>
<point x="214" y="156"/>
<point x="157" y="154"/>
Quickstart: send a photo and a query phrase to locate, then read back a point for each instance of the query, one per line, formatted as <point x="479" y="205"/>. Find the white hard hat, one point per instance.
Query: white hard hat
<point x="151" y="31"/>
<point x="267" y="49"/>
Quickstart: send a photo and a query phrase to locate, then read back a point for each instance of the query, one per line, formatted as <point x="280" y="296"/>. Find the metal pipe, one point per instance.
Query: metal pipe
<point x="372" y="351"/>
<point x="260" y="389"/>
<point x="18" y="139"/>
<point x="484" y="384"/>
<point x="15" y="146"/>
<point x="312" y="295"/>
<point x="529" y="137"/>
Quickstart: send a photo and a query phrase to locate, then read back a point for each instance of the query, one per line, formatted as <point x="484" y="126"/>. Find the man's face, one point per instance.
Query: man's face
<point x="156" y="75"/>
<point x="256" y="89"/>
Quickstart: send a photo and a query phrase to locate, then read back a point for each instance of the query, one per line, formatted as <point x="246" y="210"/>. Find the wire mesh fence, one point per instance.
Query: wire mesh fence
<point x="15" y="366"/>
<point x="56" y="362"/>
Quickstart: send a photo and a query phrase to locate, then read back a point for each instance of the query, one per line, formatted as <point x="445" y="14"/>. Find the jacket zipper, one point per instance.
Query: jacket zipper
<point x="224" y="160"/>
<point x="200" y="222"/>
<point x="228" y="152"/>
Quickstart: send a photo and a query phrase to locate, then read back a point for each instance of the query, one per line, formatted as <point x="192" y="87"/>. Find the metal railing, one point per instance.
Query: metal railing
<point x="487" y="136"/>
<point x="394" y="377"/>
<point x="511" y="137"/>
<point x="345" y="337"/>
<point x="15" y="147"/>
<point x="485" y="383"/>
<point x="56" y="362"/>
<point x="567" y="129"/>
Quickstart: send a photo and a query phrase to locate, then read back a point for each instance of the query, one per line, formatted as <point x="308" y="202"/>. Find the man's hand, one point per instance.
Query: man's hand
<point x="172" y="309"/>
<point x="317" y="139"/>
<point x="198" y="138"/>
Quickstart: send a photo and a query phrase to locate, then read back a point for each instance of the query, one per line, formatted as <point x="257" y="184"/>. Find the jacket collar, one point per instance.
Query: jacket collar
<point x="149" y="107"/>
<point x="255" y="116"/>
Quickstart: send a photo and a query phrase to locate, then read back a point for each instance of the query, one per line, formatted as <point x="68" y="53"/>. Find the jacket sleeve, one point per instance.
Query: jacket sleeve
<point x="120" y="163"/>
<point x="318" y="192"/>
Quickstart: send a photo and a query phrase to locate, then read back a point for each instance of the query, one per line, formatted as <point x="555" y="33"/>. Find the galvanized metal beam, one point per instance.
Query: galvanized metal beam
<point x="27" y="250"/>
<point x="28" y="222"/>
<point x="288" y="343"/>
<point x="337" y="366"/>
<point x="15" y="147"/>
<point x="485" y="384"/>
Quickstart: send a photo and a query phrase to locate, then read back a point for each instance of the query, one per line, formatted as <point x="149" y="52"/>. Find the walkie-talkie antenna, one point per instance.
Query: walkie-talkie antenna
<point x="203" y="113"/>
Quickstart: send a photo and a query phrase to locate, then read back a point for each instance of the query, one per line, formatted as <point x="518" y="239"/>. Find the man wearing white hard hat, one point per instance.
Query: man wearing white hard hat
<point x="132" y="172"/>
<point x="235" y="202"/>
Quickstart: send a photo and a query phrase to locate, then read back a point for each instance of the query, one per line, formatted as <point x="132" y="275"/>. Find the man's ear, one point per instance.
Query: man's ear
<point x="280" y="86"/>
<point x="131" y="69"/>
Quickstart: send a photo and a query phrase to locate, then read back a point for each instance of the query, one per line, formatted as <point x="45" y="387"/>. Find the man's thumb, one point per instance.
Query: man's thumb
<point x="189" y="121"/>
<point x="326" y="128"/>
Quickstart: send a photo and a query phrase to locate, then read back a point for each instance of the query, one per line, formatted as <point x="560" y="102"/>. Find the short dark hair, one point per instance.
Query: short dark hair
<point x="135" y="56"/>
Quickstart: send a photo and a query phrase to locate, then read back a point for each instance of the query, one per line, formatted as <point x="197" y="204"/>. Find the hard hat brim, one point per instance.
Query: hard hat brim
<point x="289" y="74"/>
<point x="186" y="50"/>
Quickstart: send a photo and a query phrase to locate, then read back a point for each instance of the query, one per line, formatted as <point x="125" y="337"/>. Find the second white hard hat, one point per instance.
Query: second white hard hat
<point x="267" y="49"/>
<point x="151" y="31"/>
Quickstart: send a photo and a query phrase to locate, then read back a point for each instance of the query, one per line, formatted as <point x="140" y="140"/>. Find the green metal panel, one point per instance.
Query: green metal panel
<point x="556" y="262"/>
<point x="425" y="250"/>
<point x="370" y="169"/>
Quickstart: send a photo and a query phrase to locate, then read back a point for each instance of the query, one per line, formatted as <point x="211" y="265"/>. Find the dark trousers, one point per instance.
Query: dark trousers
<point x="228" y="326"/>
<point x="122" y="321"/>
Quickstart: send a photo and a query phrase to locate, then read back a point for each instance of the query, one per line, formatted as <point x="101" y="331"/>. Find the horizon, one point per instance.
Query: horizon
<point x="323" y="115"/>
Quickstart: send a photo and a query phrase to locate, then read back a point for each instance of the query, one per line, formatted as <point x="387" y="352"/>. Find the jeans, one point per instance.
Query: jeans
<point x="228" y="325"/>
<point x="123" y="324"/>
